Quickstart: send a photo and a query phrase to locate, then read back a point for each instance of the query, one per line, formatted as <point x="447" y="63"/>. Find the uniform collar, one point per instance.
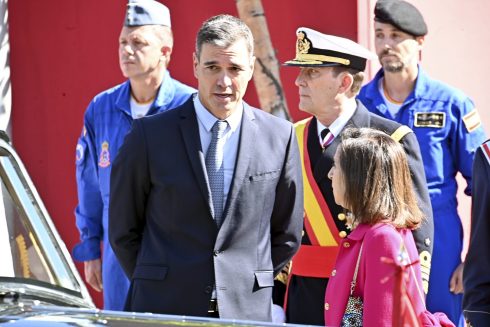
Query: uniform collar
<point x="338" y="125"/>
<point x="421" y="85"/>
<point x="164" y="96"/>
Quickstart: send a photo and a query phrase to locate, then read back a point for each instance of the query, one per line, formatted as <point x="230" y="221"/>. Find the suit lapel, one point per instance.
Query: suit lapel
<point x="248" y="133"/>
<point x="190" y="134"/>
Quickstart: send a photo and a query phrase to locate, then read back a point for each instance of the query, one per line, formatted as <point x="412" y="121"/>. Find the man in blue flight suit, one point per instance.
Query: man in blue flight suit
<point x="448" y="129"/>
<point x="145" y="46"/>
<point x="476" y="298"/>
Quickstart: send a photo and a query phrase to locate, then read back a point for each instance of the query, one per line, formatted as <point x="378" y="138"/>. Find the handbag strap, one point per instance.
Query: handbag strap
<point x="354" y="278"/>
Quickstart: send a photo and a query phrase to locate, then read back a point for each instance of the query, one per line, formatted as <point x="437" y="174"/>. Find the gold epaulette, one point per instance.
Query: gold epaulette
<point x="400" y="133"/>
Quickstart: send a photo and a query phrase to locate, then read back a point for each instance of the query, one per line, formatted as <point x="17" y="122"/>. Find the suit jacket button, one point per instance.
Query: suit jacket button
<point x="341" y="216"/>
<point x="334" y="272"/>
<point x="346" y="244"/>
<point x="327" y="306"/>
<point x="342" y="234"/>
<point x="208" y="289"/>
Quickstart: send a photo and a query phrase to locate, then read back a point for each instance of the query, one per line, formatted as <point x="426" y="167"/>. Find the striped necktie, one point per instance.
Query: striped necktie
<point x="327" y="137"/>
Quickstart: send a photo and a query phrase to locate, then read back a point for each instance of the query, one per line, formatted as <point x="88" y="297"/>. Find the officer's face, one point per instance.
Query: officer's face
<point x="338" y="184"/>
<point x="141" y="52"/>
<point x="318" y="89"/>
<point x="396" y="50"/>
<point x="223" y="75"/>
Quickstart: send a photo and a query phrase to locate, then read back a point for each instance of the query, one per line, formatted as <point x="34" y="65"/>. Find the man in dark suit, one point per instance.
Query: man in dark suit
<point x="207" y="201"/>
<point x="476" y="274"/>
<point x="331" y="74"/>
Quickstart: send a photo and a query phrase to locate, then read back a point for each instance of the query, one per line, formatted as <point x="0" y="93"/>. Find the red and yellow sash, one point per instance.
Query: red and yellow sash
<point x="317" y="259"/>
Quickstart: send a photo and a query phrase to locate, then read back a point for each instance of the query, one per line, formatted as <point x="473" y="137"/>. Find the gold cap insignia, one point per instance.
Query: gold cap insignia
<point x="302" y="44"/>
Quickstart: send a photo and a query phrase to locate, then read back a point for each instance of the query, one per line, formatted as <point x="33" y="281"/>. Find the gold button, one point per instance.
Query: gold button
<point x="327" y="306"/>
<point x="342" y="234"/>
<point x="346" y="244"/>
<point x="334" y="272"/>
<point x="341" y="216"/>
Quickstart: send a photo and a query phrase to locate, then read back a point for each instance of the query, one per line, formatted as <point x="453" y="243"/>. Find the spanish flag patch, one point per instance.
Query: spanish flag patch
<point x="472" y="120"/>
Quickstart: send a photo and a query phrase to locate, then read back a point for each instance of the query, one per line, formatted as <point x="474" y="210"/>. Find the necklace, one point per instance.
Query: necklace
<point x="388" y="97"/>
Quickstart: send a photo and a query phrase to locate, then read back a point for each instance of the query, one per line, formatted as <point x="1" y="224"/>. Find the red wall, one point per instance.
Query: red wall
<point x="63" y="52"/>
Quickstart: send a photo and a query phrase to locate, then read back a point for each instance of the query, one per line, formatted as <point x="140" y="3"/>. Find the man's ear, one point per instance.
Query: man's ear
<point x="346" y="82"/>
<point x="195" y="62"/>
<point x="166" y="53"/>
<point x="252" y="67"/>
<point x="420" y="40"/>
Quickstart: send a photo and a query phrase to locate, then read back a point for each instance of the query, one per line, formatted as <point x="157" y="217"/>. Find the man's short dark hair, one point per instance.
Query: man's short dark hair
<point x="223" y="31"/>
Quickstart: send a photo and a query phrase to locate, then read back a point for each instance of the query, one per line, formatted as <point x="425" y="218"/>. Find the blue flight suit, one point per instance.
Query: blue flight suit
<point x="476" y="298"/>
<point x="107" y="121"/>
<point x="449" y="131"/>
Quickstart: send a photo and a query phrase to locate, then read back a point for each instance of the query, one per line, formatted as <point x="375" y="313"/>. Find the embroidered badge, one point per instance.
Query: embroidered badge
<point x="302" y="44"/>
<point x="472" y="120"/>
<point x="104" y="158"/>
<point x="79" y="152"/>
<point x="425" y="266"/>
<point x="430" y="119"/>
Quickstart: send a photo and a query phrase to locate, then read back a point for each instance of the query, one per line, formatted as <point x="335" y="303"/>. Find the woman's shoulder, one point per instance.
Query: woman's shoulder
<point x="382" y="235"/>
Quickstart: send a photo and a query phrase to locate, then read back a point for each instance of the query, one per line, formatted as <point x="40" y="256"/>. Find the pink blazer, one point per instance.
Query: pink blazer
<point x="380" y="240"/>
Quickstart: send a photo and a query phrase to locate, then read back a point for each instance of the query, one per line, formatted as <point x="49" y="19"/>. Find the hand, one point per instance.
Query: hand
<point x="456" y="282"/>
<point x="278" y="315"/>
<point x="93" y="274"/>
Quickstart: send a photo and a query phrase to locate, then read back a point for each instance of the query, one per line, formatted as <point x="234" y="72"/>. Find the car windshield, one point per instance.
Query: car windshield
<point x="29" y="246"/>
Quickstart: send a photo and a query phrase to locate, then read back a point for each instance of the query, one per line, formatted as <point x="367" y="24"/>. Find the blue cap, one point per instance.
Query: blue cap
<point x="146" y="12"/>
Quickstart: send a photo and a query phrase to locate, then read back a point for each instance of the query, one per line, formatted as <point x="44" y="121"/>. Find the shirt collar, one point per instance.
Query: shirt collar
<point x="208" y="119"/>
<point x="338" y="125"/>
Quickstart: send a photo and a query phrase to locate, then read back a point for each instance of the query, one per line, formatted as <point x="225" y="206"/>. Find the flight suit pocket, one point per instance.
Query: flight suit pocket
<point x="150" y="272"/>
<point x="264" y="278"/>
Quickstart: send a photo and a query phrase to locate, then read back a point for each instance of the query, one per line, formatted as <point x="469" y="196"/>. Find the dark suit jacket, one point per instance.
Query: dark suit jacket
<point x="305" y="294"/>
<point x="162" y="230"/>
<point x="476" y="275"/>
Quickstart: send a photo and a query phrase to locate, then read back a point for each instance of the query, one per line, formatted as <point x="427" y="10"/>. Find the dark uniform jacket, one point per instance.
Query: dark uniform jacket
<point x="305" y="295"/>
<point x="476" y="275"/>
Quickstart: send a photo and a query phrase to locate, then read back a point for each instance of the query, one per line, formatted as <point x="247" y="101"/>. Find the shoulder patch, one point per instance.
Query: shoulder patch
<point x="472" y="120"/>
<point x="104" y="158"/>
<point x="485" y="147"/>
<point x="400" y="133"/>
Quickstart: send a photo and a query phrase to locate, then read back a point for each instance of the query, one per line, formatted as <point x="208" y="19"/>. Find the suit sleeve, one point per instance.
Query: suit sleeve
<point x="129" y="189"/>
<point x="89" y="211"/>
<point x="424" y="235"/>
<point x="476" y="276"/>
<point x="287" y="216"/>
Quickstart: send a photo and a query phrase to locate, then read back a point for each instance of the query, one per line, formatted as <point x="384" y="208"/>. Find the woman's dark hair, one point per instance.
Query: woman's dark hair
<point x="377" y="179"/>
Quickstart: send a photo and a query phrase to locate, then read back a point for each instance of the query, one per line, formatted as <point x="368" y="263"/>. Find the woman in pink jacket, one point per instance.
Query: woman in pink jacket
<point x="371" y="179"/>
